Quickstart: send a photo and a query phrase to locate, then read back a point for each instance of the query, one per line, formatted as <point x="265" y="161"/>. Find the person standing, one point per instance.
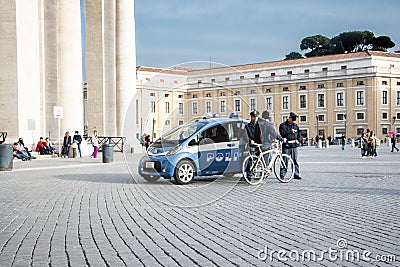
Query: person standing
<point x="66" y="144"/>
<point x="291" y="132"/>
<point x="254" y="136"/>
<point x="95" y="144"/>
<point x="393" y="140"/>
<point x="268" y="134"/>
<point x="343" y="141"/>
<point x="78" y="140"/>
<point x="147" y="141"/>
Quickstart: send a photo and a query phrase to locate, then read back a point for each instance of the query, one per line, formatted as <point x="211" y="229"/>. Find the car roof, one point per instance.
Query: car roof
<point x="211" y="121"/>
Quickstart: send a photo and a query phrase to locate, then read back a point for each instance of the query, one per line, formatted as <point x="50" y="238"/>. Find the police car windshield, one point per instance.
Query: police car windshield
<point x="180" y="134"/>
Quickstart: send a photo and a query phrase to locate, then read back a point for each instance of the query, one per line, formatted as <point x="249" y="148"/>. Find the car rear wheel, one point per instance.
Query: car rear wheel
<point x="184" y="172"/>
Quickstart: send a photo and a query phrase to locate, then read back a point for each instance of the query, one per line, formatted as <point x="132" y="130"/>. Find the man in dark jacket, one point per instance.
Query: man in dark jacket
<point x="254" y="135"/>
<point x="291" y="132"/>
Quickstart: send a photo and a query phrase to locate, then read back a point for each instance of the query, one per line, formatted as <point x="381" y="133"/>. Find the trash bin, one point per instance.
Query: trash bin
<point x="6" y="157"/>
<point x="108" y="153"/>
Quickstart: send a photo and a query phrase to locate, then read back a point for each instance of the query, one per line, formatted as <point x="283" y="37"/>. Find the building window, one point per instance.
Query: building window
<point x="384" y="82"/>
<point x="194" y="108"/>
<point x="384" y="131"/>
<point x="321" y="117"/>
<point x="303" y="87"/>
<point x="321" y="85"/>
<point x="284" y="118"/>
<point x="199" y="81"/>
<point x="339" y="85"/>
<point x="285" y="89"/>
<point x="325" y="69"/>
<point x="153" y="106"/>
<point x="360" y="98"/>
<point x="166" y="107"/>
<point x="241" y="77"/>
<point x="152" y="94"/>
<point x="285" y="102"/>
<point x="303" y="101"/>
<point x="227" y="79"/>
<point x="340" y="99"/>
<point x="237" y="105"/>
<point x="303" y="118"/>
<point x="398" y="98"/>
<point x="180" y="122"/>
<point x="273" y="74"/>
<point x="268" y="90"/>
<point x="360" y="131"/>
<point x="384" y="115"/>
<point x="343" y="67"/>
<point x="398" y="83"/>
<point x="180" y="96"/>
<point x="166" y="95"/>
<point x="321" y="100"/>
<point x="252" y="104"/>
<point x="384" y="97"/>
<point x="208" y="107"/>
<point x="398" y="116"/>
<point x="340" y="117"/>
<point x="253" y="92"/>
<point x="306" y="71"/>
<point x="360" y="82"/>
<point x="161" y="80"/>
<point x="180" y="108"/>
<point x="223" y="106"/>
<point x="167" y="122"/>
<point x="222" y="94"/>
<point x="194" y="96"/>
<point x="268" y="103"/>
<point x="237" y="92"/>
<point x="213" y="80"/>
<point x="257" y="76"/>
<point x="360" y="116"/>
<point x="208" y="95"/>
<point x="289" y="72"/>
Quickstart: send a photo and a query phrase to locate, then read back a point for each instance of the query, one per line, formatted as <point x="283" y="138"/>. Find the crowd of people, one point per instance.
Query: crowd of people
<point x="368" y="143"/>
<point x="71" y="147"/>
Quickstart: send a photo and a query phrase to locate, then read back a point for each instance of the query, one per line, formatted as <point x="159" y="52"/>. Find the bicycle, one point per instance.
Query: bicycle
<point x="255" y="168"/>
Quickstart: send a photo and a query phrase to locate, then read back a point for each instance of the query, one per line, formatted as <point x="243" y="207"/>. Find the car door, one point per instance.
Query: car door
<point x="238" y="141"/>
<point x="215" y="149"/>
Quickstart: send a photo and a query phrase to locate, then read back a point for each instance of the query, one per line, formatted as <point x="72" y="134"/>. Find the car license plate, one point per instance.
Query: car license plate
<point x="149" y="164"/>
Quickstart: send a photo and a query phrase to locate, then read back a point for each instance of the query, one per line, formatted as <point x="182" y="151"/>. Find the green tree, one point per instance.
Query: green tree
<point x="382" y="43"/>
<point x="353" y="41"/>
<point x="293" y="55"/>
<point x="318" y="44"/>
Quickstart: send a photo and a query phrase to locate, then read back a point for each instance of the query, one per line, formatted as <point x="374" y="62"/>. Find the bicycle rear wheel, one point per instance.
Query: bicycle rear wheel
<point x="253" y="170"/>
<point x="284" y="168"/>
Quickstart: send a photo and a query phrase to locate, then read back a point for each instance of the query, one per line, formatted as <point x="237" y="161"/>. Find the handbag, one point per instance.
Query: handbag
<point x="74" y="145"/>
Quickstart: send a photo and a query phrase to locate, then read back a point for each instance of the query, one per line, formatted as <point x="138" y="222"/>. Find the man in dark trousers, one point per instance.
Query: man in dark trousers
<point x="254" y="135"/>
<point x="291" y="132"/>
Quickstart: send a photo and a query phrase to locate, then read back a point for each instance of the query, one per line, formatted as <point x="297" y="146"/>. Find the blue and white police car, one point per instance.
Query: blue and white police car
<point x="198" y="148"/>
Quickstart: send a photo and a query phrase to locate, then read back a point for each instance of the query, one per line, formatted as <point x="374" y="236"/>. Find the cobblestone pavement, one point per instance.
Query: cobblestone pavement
<point x="78" y="212"/>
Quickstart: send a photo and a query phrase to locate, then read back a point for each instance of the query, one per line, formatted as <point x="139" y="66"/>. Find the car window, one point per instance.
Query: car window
<point x="237" y="131"/>
<point x="215" y="134"/>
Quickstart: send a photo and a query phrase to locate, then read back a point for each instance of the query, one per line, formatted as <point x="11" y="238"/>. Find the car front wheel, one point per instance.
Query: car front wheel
<point x="184" y="172"/>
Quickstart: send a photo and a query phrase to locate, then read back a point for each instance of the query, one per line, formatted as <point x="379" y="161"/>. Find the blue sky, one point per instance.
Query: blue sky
<point x="234" y="32"/>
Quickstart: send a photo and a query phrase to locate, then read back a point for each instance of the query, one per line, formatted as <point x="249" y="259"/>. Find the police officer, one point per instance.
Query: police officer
<point x="290" y="130"/>
<point x="253" y="129"/>
<point x="254" y="135"/>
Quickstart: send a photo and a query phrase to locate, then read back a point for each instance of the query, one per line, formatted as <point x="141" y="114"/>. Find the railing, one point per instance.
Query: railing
<point x="3" y="136"/>
<point x="117" y="141"/>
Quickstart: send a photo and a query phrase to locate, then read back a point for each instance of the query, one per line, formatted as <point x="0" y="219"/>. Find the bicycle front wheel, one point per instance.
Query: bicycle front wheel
<point x="253" y="170"/>
<point x="284" y="168"/>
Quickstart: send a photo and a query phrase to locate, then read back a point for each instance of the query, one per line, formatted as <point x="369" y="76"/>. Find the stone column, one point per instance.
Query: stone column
<point x="69" y="65"/>
<point x="125" y="66"/>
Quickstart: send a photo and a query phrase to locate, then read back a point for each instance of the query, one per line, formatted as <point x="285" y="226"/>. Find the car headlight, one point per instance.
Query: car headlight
<point x="174" y="150"/>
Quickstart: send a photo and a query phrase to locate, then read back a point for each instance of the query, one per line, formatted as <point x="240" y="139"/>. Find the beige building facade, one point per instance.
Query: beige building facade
<point x="333" y="95"/>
